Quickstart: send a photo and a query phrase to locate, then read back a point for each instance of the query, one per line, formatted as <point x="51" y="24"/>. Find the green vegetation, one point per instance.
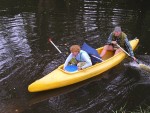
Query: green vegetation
<point x="139" y="110"/>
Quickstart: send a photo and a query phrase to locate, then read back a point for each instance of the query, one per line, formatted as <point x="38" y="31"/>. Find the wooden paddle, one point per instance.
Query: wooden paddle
<point x="142" y="66"/>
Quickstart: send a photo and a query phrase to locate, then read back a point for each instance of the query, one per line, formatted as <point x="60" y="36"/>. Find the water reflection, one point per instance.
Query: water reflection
<point x="13" y="42"/>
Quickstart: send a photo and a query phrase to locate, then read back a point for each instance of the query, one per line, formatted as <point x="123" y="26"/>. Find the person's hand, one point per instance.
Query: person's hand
<point x="134" y="58"/>
<point x="79" y="68"/>
<point x="114" y="42"/>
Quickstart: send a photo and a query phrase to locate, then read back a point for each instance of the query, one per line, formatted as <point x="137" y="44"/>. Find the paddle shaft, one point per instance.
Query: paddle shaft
<point x="56" y="47"/>
<point x="61" y="52"/>
<point x="123" y="50"/>
<point x="126" y="52"/>
<point x="97" y="57"/>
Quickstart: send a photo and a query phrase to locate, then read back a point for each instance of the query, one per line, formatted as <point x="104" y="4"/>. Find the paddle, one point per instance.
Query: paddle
<point x="97" y="57"/>
<point x="142" y="66"/>
<point x="61" y="52"/>
<point x="69" y="68"/>
<point x="56" y="47"/>
<point x="127" y="54"/>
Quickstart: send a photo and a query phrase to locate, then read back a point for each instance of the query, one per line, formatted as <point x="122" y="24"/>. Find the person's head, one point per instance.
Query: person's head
<point x="117" y="31"/>
<point x="75" y="49"/>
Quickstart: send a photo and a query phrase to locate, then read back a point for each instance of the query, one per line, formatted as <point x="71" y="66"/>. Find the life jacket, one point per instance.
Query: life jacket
<point x="74" y="60"/>
<point x="120" y="40"/>
<point x="80" y="59"/>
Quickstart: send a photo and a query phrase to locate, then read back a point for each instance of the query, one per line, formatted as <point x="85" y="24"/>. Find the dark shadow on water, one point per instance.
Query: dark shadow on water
<point x="139" y="97"/>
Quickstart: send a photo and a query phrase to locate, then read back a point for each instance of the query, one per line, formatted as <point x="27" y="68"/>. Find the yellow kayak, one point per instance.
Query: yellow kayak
<point x="60" y="78"/>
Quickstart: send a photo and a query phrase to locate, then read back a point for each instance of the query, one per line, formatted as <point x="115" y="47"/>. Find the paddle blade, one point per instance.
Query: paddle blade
<point x="49" y="40"/>
<point x="71" y="68"/>
<point x="95" y="57"/>
<point x="144" y="67"/>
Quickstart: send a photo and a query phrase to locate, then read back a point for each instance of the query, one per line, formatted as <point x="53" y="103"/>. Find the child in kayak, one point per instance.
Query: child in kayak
<point x="78" y="57"/>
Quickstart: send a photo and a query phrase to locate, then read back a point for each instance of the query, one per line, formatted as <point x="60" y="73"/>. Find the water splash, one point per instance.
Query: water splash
<point x="132" y="64"/>
<point x="144" y="67"/>
<point x="141" y="66"/>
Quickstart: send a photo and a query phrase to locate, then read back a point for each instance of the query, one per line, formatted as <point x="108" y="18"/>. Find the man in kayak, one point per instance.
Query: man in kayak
<point x="78" y="57"/>
<point x="120" y="38"/>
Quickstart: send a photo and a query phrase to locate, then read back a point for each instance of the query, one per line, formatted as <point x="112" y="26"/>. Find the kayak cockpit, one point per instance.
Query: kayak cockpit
<point x="73" y="69"/>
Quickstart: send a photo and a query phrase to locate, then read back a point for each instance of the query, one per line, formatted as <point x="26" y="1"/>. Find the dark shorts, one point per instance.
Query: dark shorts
<point x="115" y="47"/>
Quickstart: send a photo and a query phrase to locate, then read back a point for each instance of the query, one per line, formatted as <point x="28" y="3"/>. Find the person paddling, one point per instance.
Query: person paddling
<point x="78" y="57"/>
<point x="120" y="38"/>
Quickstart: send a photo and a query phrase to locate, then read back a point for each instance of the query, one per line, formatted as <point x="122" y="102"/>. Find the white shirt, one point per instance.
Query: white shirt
<point x="82" y="56"/>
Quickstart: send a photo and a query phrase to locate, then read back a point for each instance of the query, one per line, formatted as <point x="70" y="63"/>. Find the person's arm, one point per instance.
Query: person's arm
<point x="109" y="40"/>
<point x="68" y="60"/>
<point x="129" y="48"/>
<point x="87" y="60"/>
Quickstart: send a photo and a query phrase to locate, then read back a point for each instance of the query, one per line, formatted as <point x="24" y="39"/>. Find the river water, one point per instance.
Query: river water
<point x="26" y="55"/>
